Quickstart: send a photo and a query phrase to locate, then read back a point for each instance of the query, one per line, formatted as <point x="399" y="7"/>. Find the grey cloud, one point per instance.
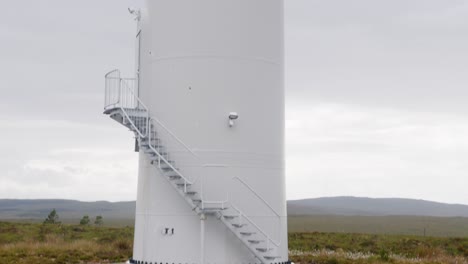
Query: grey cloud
<point x="55" y="54"/>
<point x="409" y="54"/>
<point x="356" y="149"/>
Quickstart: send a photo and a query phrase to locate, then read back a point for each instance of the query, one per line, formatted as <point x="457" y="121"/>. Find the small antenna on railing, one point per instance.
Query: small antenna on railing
<point x="135" y="12"/>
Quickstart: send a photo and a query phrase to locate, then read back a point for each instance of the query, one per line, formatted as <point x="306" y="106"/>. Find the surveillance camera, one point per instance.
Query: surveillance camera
<point x="233" y="116"/>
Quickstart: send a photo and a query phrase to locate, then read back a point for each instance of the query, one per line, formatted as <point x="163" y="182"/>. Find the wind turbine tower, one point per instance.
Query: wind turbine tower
<point x="206" y="106"/>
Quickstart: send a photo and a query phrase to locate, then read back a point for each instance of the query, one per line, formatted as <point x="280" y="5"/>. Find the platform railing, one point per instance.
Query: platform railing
<point x="121" y="93"/>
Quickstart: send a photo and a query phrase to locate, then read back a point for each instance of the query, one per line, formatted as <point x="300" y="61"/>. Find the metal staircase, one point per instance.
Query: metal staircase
<point x="123" y="105"/>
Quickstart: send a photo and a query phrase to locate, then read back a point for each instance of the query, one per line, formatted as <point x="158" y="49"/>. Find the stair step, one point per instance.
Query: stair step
<point x="182" y="185"/>
<point x="211" y="210"/>
<point x="159" y="150"/>
<point x="153" y="137"/>
<point x="190" y="193"/>
<point x="162" y="165"/>
<point x="147" y="148"/>
<point x="153" y="156"/>
<point x="247" y="233"/>
<point x="166" y="168"/>
<point x="271" y="257"/>
<point x="175" y="177"/>
<point x="170" y="173"/>
<point x="230" y="217"/>
<point x="153" y="140"/>
<point x="238" y="225"/>
<point x="153" y="153"/>
<point x="263" y="250"/>
<point x="136" y="116"/>
<point x="196" y="200"/>
<point x="255" y="241"/>
<point x="156" y="158"/>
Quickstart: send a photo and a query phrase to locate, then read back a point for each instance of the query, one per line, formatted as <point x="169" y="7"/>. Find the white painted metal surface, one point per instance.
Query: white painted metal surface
<point x="209" y="115"/>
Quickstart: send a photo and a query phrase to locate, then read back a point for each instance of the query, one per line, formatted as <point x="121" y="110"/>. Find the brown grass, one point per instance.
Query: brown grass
<point x="61" y="244"/>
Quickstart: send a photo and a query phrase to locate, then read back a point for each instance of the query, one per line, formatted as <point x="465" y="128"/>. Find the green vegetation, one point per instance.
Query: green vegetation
<point x="52" y="218"/>
<point x="58" y="243"/>
<point x="35" y="243"/>
<point x="99" y="221"/>
<point x="343" y="248"/>
<point x="85" y="220"/>
<point x="396" y="225"/>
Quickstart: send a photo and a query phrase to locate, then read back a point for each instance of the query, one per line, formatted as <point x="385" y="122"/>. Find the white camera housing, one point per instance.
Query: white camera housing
<point x="232" y="116"/>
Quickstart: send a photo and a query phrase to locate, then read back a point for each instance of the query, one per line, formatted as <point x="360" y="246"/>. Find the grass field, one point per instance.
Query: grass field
<point x="389" y="225"/>
<point x="344" y="248"/>
<point x="395" y="225"/>
<point x="42" y="244"/>
<point x="113" y="222"/>
<point x="34" y="243"/>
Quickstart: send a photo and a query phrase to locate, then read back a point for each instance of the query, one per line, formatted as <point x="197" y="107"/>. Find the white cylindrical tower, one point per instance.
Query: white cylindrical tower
<point x="211" y="76"/>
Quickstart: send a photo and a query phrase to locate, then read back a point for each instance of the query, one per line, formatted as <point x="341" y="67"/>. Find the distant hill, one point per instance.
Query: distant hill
<point x="67" y="209"/>
<point x="346" y="206"/>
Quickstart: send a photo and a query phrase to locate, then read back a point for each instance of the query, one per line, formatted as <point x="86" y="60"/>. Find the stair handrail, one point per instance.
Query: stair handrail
<point x="145" y="108"/>
<point x="148" y="133"/>
<point x="250" y="188"/>
<point x="256" y="194"/>
<point x="244" y="216"/>
<point x="141" y="105"/>
<point x="161" y="157"/>
<point x="117" y="104"/>
<point x="176" y="138"/>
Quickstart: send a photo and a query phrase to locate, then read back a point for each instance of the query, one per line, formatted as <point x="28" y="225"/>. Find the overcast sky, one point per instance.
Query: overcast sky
<point x="376" y="99"/>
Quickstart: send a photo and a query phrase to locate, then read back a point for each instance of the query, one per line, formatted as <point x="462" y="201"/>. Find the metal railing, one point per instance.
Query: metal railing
<point x="268" y="239"/>
<point x="241" y="215"/>
<point x="154" y="147"/>
<point x="237" y="178"/>
<point x="121" y="93"/>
